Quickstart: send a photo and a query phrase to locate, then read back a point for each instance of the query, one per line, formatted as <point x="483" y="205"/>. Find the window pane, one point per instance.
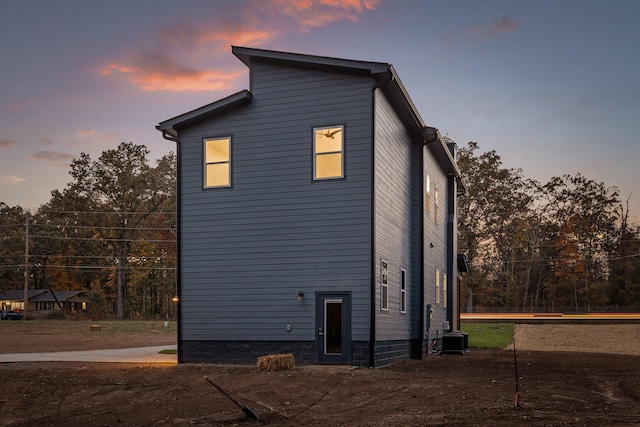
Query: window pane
<point x="217" y="175"/>
<point x="385" y="297"/>
<point x="217" y="150"/>
<point x="329" y="165"/>
<point x="333" y="327"/>
<point x="437" y="286"/>
<point x="403" y="291"/>
<point x="328" y="140"/>
<point x="444" y="289"/>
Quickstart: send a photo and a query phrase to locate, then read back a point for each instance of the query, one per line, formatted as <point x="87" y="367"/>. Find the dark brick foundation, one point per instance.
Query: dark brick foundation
<point x="244" y="352"/>
<point x="247" y="352"/>
<point x="394" y="351"/>
<point x="304" y="352"/>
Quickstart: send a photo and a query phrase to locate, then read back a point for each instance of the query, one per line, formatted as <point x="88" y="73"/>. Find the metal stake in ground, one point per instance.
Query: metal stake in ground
<point x="248" y="412"/>
<point x="515" y="364"/>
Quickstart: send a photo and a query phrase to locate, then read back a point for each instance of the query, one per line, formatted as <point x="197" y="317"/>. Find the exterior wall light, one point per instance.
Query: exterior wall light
<point x="300" y="295"/>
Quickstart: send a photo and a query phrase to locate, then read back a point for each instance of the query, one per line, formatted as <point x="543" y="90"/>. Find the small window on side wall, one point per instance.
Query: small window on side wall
<point x="436" y="210"/>
<point x="437" y="286"/>
<point x="403" y="291"/>
<point x="328" y="152"/>
<point x="384" y="286"/>
<point x="217" y="159"/>
<point x="444" y="289"/>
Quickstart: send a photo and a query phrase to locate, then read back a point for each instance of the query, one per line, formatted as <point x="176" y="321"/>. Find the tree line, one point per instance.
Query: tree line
<point x="566" y="245"/>
<point x="111" y="233"/>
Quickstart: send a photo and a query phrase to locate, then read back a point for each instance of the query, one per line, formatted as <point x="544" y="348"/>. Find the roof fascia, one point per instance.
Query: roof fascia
<point x="246" y="54"/>
<point x="206" y="112"/>
<point x="399" y="96"/>
<point x="438" y="147"/>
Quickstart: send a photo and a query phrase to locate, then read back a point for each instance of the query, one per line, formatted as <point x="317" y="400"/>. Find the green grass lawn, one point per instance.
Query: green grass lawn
<point x="488" y="335"/>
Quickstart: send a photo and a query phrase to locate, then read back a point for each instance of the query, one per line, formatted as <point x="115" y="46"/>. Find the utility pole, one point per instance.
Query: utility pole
<point x="26" y="268"/>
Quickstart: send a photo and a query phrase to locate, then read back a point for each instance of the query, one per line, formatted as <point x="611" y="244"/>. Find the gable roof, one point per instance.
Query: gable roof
<point x="170" y="128"/>
<point x="383" y="74"/>
<point x="59" y="295"/>
<point x="18" y="294"/>
<point x="41" y="295"/>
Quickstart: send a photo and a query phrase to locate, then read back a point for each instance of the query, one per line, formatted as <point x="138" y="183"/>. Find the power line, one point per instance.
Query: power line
<point x="85" y="257"/>
<point x="91" y="267"/>
<point x="106" y="212"/>
<point x="89" y="227"/>
<point x="99" y="239"/>
<point x="550" y="260"/>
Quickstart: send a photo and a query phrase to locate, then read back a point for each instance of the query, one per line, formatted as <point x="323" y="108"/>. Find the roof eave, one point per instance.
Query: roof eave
<point x="245" y="54"/>
<point x="435" y="143"/>
<point x="222" y="106"/>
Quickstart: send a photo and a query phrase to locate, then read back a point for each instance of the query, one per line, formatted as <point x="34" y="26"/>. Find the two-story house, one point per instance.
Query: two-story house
<point x="317" y="216"/>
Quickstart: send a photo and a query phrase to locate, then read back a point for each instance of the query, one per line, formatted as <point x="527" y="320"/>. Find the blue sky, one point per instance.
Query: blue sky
<point x="552" y="86"/>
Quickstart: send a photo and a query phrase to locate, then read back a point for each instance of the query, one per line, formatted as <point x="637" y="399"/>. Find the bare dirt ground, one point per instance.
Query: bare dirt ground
<point x="557" y="388"/>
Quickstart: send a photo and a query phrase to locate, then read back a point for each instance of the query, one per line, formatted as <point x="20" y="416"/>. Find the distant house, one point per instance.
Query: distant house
<point x="42" y="302"/>
<point x="14" y="299"/>
<point x="317" y="216"/>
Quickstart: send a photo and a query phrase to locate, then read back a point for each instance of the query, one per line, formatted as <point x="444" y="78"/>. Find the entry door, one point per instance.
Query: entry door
<point x="333" y="327"/>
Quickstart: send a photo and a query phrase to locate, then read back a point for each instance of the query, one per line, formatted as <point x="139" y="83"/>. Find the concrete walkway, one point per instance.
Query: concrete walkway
<point x="127" y="355"/>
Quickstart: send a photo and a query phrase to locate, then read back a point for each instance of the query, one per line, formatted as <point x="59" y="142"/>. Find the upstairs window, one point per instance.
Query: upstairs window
<point x="328" y="152"/>
<point x="427" y="196"/>
<point x="217" y="162"/>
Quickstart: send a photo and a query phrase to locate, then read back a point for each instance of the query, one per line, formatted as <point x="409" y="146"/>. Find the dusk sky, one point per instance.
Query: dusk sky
<point x="552" y="86"/>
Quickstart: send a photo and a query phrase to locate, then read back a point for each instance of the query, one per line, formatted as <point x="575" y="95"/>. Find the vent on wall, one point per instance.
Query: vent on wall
<point x="445" y="325"/>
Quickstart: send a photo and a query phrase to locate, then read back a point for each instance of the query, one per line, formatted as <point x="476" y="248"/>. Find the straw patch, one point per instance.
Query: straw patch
<point x="276" y="362"/>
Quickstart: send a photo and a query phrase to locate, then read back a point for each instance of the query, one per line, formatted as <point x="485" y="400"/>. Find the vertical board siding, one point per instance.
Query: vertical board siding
<point x="396" y="173"/>
<point x="247" y="250"/>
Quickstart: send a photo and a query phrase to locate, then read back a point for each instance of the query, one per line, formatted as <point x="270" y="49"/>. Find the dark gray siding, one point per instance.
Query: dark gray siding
<point x="397" y="212"/>
<point x="246" y="251"/>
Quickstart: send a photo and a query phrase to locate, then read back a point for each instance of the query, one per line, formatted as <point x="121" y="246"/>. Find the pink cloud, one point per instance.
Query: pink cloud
<point x="356" y="5"/>
<point x="307" y="14"/>
<point x="182" y="56"/>
<point x="80" y="144"/>
<point x="20" y="105"/>
<point x="153" y="72"/>
<point x="11" y="180"/>
<point x="6" y="143"/>
<point x="483" y="32"/>
<point x="216" y="35"/>
<point x="53" y="157"/>
<point x="92" y="135"/>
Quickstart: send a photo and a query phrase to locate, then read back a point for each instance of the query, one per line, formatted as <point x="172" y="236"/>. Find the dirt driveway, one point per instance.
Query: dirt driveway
<point x="556" y="389"/>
